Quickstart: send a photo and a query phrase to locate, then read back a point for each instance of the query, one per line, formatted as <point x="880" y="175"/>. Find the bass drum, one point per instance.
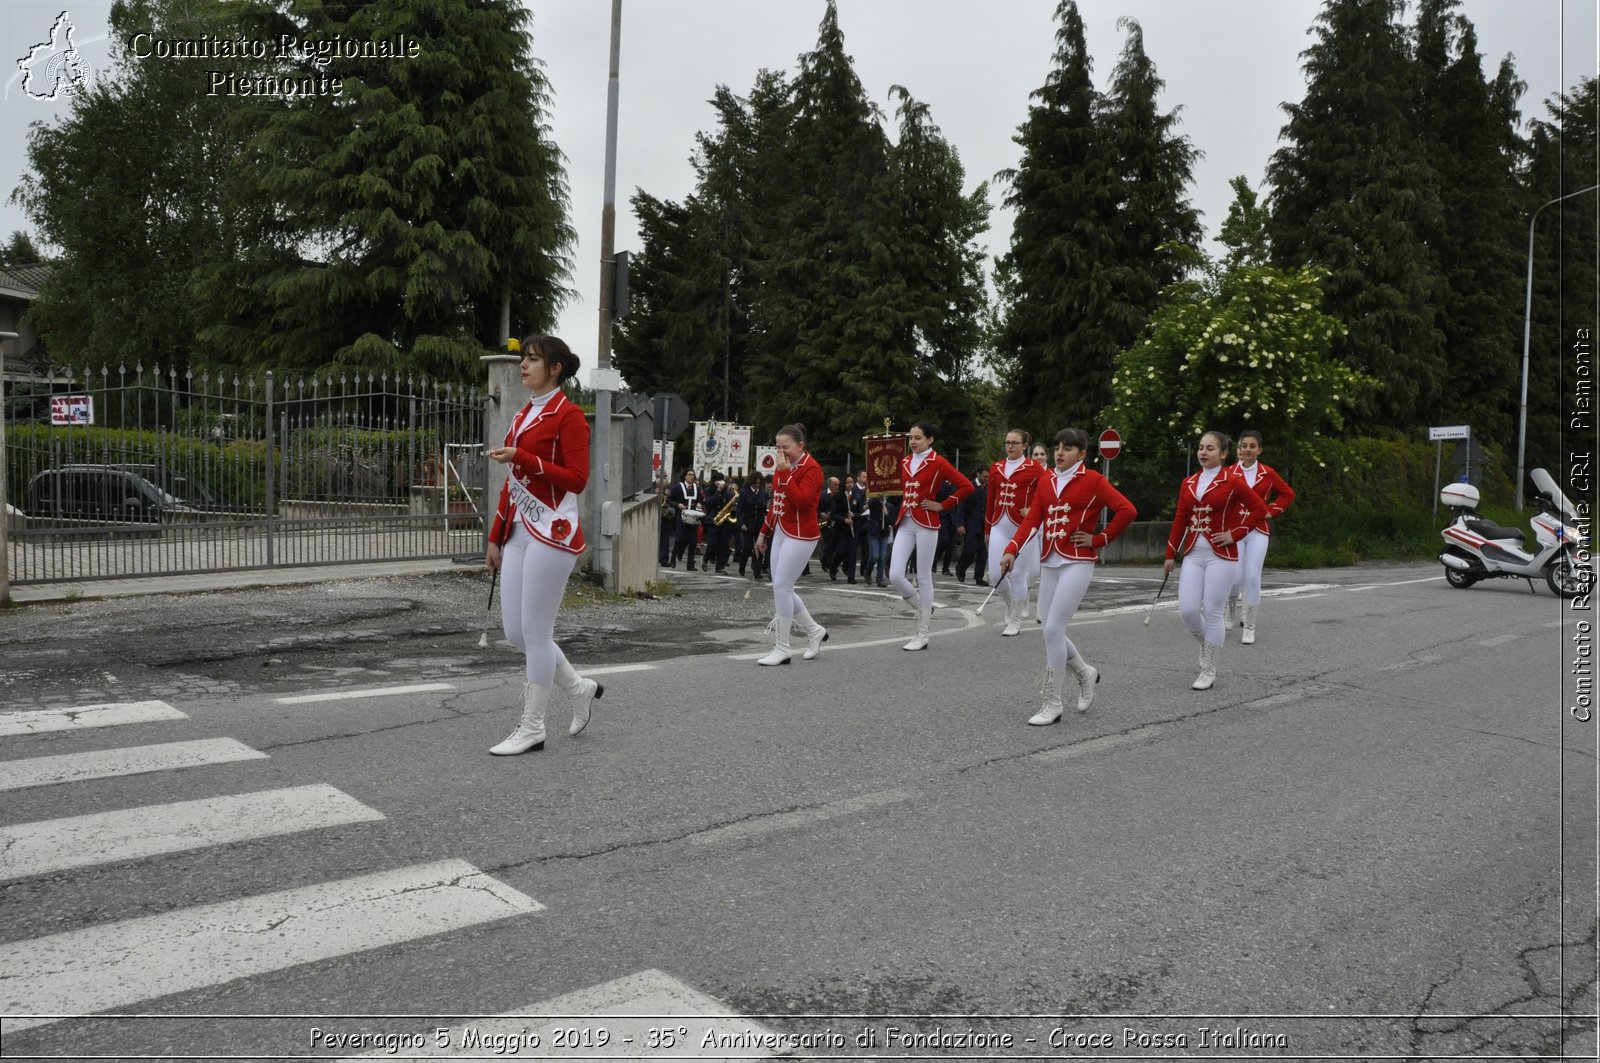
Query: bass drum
<point x="693" y="516"/>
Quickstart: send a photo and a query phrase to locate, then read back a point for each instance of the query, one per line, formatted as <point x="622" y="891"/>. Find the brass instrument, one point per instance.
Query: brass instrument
<point x="726" y="514"/>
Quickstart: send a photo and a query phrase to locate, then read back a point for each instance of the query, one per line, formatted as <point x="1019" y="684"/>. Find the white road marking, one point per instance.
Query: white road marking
<point x="615" y="669"/>
<point x="108" y="715"/>
<point x="370" y="692"/>
<point x="1099" y="745"/>
<point x="82" y="972"/>
<point x="1499" y="639"/>
<point x="632" y="1006"/>
<point x="802" y="817"/>
<point x="135" y="833"/>
<point x="1396" y="583"/>
<point x="971" y="620"/>
<point x="131" y="760"/>
<point x="1414" y="662"/>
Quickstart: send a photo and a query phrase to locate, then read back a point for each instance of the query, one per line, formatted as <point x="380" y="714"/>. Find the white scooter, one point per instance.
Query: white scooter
<point x="1478" y="549"/>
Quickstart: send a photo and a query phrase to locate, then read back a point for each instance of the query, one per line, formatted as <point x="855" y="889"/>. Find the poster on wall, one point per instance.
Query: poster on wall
<point x="721" y="447"/>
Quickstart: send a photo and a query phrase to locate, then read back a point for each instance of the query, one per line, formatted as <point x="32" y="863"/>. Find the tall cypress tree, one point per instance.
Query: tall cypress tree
<point x="1052" y="315"/>
<point x="1468" y="128"/>
<point x="1352" y="194"/>
<point x="411" y="204"/>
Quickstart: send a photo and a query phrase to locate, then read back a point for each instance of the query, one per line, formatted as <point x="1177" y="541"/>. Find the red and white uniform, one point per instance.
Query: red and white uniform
<point x="544" y="479"/>
<point x="795" y="491"/>
<point x="1064" y="505"/>
<point x="1270" y="488"/>
<point x="923" y="486"/>
<point x="1228" y="504"/>
<point x="1008" y="496"/>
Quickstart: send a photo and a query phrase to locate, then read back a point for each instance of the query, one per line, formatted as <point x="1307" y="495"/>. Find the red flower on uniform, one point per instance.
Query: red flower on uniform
<point x="560" y="528"/>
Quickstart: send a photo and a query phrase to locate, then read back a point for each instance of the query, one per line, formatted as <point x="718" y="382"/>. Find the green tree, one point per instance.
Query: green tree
<point x="19" y="250"/>
<point x="409" y="206"/>
<point x="1352" y="195"/>
<point x="1239" y="345"/>
<point x="134" y="208"/>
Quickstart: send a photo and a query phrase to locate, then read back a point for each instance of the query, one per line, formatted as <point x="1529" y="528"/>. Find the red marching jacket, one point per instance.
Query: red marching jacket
<point x="924" y="487"/>
<point x="543" y="480"/>
<point x="1271" y="489"/>
<point x="795" y="491"/>
<point x="1076" y="507"/>
<point x="1009" y="496"/>
<point x="1229" y="505"/>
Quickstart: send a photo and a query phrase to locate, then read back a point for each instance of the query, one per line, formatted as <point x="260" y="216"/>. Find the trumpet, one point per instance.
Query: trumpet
<point x="726" y="514"/>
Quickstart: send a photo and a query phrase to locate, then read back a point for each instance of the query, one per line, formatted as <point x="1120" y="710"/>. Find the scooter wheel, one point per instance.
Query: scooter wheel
<point x="1567" y="577"/>
<point x="1459" y="579"/>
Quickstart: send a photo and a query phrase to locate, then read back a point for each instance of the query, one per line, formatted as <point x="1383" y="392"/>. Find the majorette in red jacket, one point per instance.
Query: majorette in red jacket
<point x="795" y="491"/>
<point x="924" y="486"/>
<point x="543" y="480"/>
<point x="1228" y="505"/>
<point x="1076" y="507"/>
<point x="1009" y="496"/>
<point x="1271" y="489"/>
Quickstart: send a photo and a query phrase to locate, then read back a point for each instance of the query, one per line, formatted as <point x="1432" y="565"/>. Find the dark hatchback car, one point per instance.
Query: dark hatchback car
<point x="99" y="493"/>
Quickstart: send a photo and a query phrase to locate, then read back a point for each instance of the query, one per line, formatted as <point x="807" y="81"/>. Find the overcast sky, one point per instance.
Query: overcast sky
<point x="1229" y="64"/>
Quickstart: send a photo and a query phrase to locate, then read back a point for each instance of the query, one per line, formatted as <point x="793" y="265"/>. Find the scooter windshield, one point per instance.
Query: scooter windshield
<point x="1547" y="486"/>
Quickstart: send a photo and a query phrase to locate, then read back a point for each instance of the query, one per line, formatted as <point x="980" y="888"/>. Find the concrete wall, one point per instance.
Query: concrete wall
<point x="1145" y="540"/>
<point x="637" y="558"/>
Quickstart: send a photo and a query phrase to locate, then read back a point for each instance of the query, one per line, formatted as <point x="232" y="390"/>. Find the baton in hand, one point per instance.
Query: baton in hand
<point x="1157" y="598"/>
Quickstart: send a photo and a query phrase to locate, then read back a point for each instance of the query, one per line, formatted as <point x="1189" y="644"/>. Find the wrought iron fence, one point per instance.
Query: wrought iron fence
<point x="121" y="473"/>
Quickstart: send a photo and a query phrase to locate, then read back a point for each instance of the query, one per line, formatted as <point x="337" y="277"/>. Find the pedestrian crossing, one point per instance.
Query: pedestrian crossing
<point x="115" y="965"/>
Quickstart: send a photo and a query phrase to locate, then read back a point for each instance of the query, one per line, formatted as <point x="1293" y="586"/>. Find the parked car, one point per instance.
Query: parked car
<point x="191" y="492"/>
<point x="101" y="493"/>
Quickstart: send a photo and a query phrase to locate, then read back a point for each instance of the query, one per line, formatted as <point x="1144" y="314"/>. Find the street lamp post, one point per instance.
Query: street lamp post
<point x="1527" y="329"/>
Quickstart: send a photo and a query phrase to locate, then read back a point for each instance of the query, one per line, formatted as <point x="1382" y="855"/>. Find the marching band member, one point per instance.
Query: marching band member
<point x="1216" y="508"/>
<point x="1066" y="506"/>
<point x="791" y="527"/>
<point x="922" y="473"/>
<point x="536" y="536"/>
<point x="1278" y="495"/>
<point x="1012" y="481"/>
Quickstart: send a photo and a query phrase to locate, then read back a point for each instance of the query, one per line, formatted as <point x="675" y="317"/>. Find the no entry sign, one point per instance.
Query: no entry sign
<point x="1110" y="444"/>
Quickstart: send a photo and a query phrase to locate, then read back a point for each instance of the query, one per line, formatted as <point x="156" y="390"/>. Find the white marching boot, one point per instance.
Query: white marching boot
<point x="583" y="693"/>
<point x="1208" y="668"/>
<point x="1050" y="711"/>
<point x="1230" y="612"/>
<point x="529" y="734"/>
<point x="1249" y="636"/>
<point x="1088" y="678"/>
<point x="816" y="634"/>
<point x="924" y="623"/>
<point x="1014" y="611"/>
<point x="780" y="647"/>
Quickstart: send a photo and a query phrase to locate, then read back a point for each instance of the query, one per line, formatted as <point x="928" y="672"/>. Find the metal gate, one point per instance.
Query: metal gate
<point x="123" y="473"/>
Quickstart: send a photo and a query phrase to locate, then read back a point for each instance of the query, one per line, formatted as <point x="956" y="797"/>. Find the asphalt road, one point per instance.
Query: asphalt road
<point x="1375" y="837"/>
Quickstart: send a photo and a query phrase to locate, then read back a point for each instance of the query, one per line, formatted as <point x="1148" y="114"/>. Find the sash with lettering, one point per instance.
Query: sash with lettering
<point x="547" y="512"/>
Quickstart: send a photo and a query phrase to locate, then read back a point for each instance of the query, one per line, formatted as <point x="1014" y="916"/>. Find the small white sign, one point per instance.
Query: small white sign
<point x="72" y="409"/>
<point x="1450" y="431"/>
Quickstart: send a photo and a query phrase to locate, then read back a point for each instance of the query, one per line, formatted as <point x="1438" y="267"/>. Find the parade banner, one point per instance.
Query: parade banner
<point x="661" y="459"/>
<point x="721" y="447"/>
<point x="883" y="463"/>
<point x="766" y="460"/>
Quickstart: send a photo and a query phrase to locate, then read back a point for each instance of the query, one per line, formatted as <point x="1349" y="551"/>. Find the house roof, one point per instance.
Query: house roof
<point x="23" y="282"/>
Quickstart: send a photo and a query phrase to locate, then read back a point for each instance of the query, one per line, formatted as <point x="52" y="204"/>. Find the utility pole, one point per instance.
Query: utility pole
<point x="5" y="511"/>
<point x="606" y="379"/>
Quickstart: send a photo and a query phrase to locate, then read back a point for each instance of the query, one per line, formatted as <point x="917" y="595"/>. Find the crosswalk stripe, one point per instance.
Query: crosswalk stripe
<point x="131" y="760"/>
<point x="135" y="833"/>
<point x="110" y="715"/>
<point x="370" y="692"/>
<point x="632" y="1007"/>
<point x="82" y="972"/>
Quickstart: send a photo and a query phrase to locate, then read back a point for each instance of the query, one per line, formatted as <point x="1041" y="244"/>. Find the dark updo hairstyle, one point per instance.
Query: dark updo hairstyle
<point x="1073" y="437"/>
<point x="796" y="432"/>
<point x="1250" y="433"/>
<point x="929" y="429"/>
<point x="554" y="352"/>
<point x="1223" y="441"/>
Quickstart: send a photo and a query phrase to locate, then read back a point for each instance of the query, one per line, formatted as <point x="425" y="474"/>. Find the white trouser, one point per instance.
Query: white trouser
<point x="1204" y="582"/>
<point x="1061" y="589"/>
<point x="1252" y="555"/>
<point x="787" y="558"/>
<point x="533" y="577"/>
<point x="907" y="537"/>
<point x="1026" y="569"/>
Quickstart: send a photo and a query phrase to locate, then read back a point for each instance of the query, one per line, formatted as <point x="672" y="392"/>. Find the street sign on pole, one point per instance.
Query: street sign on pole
<point x="1438" y="434"/>
<point x="1449" y="431"/>
<point x="1110" y="444"/>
